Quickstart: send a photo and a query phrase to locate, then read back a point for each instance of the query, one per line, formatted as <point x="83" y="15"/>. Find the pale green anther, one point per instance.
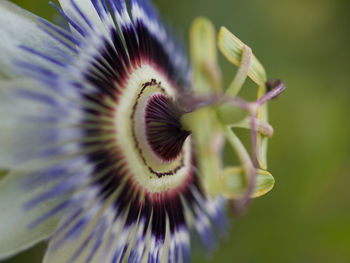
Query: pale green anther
<point x="233" y="183"/>
<point x="232" y="48"/>
<point x="206" y="71"/>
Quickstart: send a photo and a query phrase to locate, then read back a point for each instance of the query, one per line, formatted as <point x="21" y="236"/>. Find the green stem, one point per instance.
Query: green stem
<point x="262" y="140"/>
<point x="241" y="151"/>
<point x="242" y="72"/>
<point x="262" y="127"/>
<point x="247" y="164"/>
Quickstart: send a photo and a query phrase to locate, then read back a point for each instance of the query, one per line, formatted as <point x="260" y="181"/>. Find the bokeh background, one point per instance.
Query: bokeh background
<point x="306" y="218"/>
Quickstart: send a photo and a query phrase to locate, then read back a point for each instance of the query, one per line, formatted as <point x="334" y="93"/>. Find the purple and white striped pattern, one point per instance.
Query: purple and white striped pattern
<point x="107" y="213"/>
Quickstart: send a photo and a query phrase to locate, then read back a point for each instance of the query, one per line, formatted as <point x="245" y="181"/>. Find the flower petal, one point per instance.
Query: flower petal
<point x="16" y="235"/>
<point x="19" y="27"/>
<point x="10" y="124"/>
<point x="85" y="16"/>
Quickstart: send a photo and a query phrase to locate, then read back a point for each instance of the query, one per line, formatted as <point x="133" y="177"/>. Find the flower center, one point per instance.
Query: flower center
<point x="163" y="128"/>
<point x="157" y="151"/>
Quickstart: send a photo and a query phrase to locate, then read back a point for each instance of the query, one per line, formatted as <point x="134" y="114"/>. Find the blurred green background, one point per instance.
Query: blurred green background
<point x="306" y="218"/>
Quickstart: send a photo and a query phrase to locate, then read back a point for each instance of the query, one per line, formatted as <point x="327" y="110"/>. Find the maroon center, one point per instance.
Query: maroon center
<point x="164" y="131"/>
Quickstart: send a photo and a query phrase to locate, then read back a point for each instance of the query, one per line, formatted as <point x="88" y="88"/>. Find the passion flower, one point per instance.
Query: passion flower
<point x="111" y="143"/>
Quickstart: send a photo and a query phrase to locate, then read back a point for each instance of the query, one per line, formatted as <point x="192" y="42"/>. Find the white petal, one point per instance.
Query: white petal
<point x="15" y="235"/>
<point x="82" y="232"/>
<point x="19" y="27"/>
<point x="88" y="10"/>
<point x="10" y="111"/>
